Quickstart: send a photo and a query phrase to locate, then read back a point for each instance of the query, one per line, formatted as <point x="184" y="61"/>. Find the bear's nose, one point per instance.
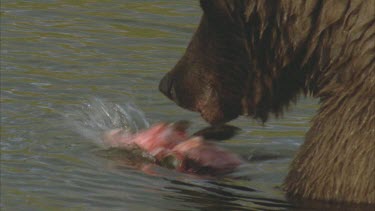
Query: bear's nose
<point x="166" y="87"/>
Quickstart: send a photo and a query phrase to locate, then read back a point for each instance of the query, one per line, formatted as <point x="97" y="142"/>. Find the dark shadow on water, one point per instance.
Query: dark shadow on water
<point x="305" y="204"/>
<point x="217" y="193"/>
<point x="220" y="195"/>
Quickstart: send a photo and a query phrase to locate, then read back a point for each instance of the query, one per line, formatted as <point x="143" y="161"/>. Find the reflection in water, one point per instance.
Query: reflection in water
<point x="331" y="206"/>
<point x="221" y="195"/>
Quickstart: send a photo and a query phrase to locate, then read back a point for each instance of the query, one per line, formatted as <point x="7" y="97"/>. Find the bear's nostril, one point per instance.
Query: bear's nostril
<point x="165" y="86"/>
<point x="172" y="92"/>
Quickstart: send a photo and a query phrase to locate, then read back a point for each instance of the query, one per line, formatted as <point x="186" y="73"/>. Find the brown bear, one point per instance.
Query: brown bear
<point x="254" y="57"/>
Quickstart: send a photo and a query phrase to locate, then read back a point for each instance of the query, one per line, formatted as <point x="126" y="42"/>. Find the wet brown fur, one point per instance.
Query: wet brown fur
<point x="255" y="57"/>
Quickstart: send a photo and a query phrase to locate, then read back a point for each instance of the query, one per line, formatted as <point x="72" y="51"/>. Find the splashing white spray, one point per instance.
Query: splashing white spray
<point x="98" y="116"/>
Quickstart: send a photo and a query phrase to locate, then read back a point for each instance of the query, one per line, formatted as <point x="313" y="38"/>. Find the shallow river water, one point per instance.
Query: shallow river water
<point x="58" y="56"/>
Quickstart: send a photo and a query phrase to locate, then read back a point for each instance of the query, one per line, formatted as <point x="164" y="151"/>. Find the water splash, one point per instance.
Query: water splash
<point x="97" y="116"/>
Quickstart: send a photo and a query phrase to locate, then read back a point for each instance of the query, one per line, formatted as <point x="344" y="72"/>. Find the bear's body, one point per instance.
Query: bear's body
<point x="255" y="57"/>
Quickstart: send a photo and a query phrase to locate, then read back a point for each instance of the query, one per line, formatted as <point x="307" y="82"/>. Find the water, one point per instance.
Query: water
<point x="57" y="55"/>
